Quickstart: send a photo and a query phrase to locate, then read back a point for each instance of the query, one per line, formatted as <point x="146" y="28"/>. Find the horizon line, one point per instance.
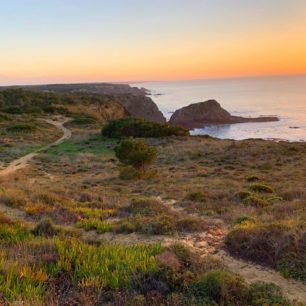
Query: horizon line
<point x="160" y="80"/>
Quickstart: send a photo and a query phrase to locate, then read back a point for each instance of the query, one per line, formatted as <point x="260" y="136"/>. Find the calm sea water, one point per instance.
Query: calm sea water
<point x="284" y="97"/>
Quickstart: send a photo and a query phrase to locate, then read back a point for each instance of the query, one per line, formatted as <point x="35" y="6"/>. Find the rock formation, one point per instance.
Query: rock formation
<point x="201" y="114"/>
<point x="142" y="107"/>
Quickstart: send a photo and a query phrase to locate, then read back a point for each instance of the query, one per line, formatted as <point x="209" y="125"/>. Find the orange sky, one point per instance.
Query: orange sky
<point x="160" y="50"/>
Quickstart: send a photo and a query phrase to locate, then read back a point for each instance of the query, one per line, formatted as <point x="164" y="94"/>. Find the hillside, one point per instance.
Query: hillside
<point x="74" y="231"/>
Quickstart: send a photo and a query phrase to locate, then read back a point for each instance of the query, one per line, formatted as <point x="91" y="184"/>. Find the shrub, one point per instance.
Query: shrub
<point x="129" y="173"/>
<point x="21" y="128"/>
<point x="275" y="245"/>
<point x="146" y="207"/>
<point x="221" y="287"/>
<point x="135" y="153"/>
<point x="269" y="294"/>
<point x="252" y="178"/>
<point x="255" y="201"/>
<point x="83" y="121"/>
<point x="134" y="127"/>
<point x="261" y="188"/>
<point x="241" y="195"/>
<point x="45" y="228"/>
<point x="196" y="197"/>
<point x="294" y="265"/>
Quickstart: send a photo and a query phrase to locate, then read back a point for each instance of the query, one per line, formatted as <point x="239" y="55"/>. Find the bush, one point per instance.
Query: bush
<point x="129" y="173"/>
<point x="135" y="153"/>
<point x="261" y="188"/>
<point x="221" y="287"/>
<point x="21" y="128"/>
<point x="269" y="294"/>
<point x="274" y="245"/>
<point x="255" y="201"/>
<point x="45" y="228"/>
<point x="196" y="197"/>
<point x="83" y="121"/>
<point x="134" y="127"/>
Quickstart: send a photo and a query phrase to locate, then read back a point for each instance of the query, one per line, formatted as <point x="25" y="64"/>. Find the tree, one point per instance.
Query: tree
<point x="135" y="153"/>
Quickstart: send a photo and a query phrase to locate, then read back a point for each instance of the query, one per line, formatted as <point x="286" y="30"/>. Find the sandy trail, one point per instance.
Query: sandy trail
<point x="23" y="161"/>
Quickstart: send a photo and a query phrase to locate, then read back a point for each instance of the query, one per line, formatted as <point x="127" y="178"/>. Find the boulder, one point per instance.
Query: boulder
<point x="199" y="115"/>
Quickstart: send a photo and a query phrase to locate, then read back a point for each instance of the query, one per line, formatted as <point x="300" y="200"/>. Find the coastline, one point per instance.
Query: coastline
<point x="242" y="97"/>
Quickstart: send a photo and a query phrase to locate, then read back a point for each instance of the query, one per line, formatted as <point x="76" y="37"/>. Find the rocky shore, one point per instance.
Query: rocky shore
<point x="210" y="112"/>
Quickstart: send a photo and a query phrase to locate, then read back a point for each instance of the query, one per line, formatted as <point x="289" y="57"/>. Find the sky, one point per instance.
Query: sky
<point x="51" y="41"/>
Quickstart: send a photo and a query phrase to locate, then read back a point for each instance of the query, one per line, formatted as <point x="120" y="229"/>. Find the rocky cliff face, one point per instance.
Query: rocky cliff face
<point x="142" y="107"/>
<point x="133" y="99"/>
<point x="210" y="112"/>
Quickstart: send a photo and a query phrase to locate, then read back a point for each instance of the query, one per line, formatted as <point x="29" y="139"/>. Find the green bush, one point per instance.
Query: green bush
<point x="21" y="128"/>
<point x="221" y="287"/>
<point x="134" y="127"/>
<point x="268" y="294"/>
<point x="294" y="265"/>
<point x="129" y="173"/>
<point x="261" y="188"/>
<point x="135" y="153"/>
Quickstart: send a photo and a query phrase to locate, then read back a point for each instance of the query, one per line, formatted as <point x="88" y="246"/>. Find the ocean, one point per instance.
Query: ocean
<point x="284" y="97"/>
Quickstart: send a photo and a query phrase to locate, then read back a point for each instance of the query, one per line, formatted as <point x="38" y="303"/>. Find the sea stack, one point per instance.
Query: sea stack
<point x="199" y="115"/>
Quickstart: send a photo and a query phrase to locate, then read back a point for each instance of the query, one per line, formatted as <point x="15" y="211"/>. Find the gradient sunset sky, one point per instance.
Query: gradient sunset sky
<point x="47" y="41"/>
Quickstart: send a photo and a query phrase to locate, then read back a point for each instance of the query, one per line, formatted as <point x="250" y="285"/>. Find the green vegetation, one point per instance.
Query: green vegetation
<point x="276" y="245"/>
<point x="21" y="128"/>
<point x="221" y="288"/>
<point x="134" y="127"/>
<point x="261" y="188"/>
<point x="136" y="153"/>
<point x="94" y="145"/>
<point x="83" y="120"/>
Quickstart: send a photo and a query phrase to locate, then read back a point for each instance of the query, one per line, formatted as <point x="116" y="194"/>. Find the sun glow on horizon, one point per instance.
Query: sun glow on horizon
<point x="182" y="42"/>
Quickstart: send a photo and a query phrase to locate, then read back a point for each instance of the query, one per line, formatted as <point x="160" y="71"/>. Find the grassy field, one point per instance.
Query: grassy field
<point x="254" y="189"/>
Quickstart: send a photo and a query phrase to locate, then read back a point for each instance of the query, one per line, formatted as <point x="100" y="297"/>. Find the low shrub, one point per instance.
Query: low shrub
<point x="83" y="121"/>
<point x="253" y="178"/>
<point x="241" y="195"/>
<point x="45" y="228"/>
<point x="275" y="245"/>
<point x="146" y="207"/>
<point x="261" y="188"/>
<point x="255" y="201"/>
<point x="221" y="287"/>
<point x="269" y="294"/>
<point x="134" y="127"/>
<point x="196" y="197"/>
<point x="294" y="264"/>
<point x="21" y="128"/>
<point x="129" y="173"/>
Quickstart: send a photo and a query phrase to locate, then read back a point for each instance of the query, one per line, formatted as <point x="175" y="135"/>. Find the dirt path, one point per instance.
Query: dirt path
<point x="22" y="162"/>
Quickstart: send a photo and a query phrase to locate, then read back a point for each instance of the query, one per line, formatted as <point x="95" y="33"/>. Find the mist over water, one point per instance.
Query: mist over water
<point x="284" y="97"/>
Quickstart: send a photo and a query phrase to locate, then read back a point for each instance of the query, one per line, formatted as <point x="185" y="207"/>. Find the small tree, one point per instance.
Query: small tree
<point x="135" y="153"/>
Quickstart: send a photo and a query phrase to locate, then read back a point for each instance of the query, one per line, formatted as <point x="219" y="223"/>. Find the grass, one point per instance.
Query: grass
<point x="96" y="145"/>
